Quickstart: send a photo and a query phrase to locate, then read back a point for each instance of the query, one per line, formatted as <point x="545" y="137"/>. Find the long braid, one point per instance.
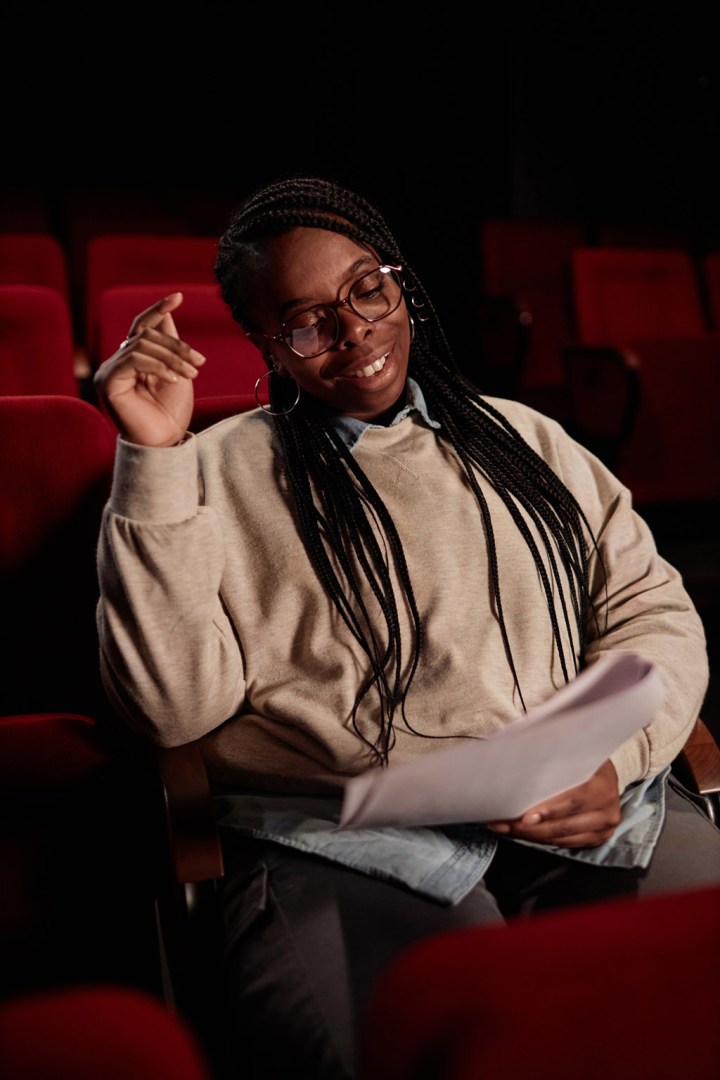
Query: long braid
<point x="340" y="513"/>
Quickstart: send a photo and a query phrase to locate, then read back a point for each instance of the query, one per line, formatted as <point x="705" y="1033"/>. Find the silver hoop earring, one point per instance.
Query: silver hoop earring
<point x="274" y="412"/>
<point x="412" y="326"/>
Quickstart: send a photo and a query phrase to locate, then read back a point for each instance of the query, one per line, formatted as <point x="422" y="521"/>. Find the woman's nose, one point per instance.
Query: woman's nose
<point x="353" y="328"/>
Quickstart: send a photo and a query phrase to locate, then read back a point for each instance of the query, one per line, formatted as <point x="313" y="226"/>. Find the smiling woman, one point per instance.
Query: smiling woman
<point x="385" y="561"/>
<point x="345" y="336"/>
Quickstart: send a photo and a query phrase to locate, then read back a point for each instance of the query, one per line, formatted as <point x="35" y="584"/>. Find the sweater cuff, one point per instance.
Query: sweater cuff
<point x="155" y="485"/>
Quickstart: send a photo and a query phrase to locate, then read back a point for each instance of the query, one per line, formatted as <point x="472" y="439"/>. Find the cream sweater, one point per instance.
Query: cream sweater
<point x="214" y="625"/>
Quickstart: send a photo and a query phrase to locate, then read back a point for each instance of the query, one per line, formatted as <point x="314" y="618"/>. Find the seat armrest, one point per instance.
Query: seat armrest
<point x="701" y="757"/>
<point x="195" y="851"/>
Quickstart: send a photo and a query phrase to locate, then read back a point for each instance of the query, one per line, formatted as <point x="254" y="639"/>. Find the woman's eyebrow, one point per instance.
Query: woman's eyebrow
<point x="352" y="270"/>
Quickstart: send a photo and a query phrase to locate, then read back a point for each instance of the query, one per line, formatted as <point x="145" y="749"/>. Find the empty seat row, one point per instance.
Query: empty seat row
<point x="41" y="348"/>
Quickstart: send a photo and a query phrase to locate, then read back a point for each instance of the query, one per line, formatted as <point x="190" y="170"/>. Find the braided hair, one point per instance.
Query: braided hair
<point x="339" y="511"/>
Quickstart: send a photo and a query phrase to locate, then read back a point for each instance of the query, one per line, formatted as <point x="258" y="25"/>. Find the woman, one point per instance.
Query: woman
<point x="382" y="563"/>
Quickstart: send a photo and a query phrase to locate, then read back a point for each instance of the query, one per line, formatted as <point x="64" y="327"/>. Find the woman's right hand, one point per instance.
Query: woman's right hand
<point x="146" y="386"/>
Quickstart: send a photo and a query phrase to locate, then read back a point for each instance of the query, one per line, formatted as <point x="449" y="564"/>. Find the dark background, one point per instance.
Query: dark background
<point x="442" y="114"/>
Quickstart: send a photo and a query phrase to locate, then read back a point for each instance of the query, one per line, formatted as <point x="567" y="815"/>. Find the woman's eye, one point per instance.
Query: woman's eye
<point x="312" y="317"/>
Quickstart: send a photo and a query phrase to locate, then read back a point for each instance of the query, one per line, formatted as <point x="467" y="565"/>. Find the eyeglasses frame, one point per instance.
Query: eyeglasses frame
<point x="333" y="306"/>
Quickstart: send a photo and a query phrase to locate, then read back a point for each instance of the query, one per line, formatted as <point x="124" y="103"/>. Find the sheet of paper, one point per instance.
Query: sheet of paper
<point x="554" y="747"/>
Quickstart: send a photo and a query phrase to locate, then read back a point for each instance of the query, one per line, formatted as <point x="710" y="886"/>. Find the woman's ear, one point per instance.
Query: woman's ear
<point x="270" y="358"/>
<point x="266" y="349"/>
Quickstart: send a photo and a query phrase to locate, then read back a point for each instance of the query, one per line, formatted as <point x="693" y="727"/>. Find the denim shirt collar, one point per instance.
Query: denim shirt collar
<point x="351" y="430"/>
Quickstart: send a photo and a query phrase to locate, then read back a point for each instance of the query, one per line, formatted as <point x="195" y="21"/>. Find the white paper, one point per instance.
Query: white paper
<point x="552" y="748"/>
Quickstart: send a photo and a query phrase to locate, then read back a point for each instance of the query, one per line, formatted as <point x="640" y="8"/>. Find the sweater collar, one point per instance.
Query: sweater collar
<point x="351" y="430"/>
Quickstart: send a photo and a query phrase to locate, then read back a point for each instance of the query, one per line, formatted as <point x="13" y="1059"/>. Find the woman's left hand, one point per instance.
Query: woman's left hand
<point x="583" y="816"/>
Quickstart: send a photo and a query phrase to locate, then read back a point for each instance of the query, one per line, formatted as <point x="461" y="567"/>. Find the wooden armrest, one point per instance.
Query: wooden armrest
<point x="194" y="841"/>
<point x="701" y="758"/>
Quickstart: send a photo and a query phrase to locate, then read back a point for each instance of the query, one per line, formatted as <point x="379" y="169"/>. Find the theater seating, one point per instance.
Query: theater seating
<point x="644" y="377"/>
<point x="103" y="841"/>
<point x="624" y="294"/>
<point x="139" y="259"/>
<point x="37" y="351"/>
<point x="624" y="988"/>
<point x="96" y="1030"/>
<point x="203" y="321"/>
<point x="525" y="265"/>
<point x="34" y="259"/>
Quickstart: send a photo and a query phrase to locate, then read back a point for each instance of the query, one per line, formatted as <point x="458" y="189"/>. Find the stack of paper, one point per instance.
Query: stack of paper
<point x="554" y="747"/>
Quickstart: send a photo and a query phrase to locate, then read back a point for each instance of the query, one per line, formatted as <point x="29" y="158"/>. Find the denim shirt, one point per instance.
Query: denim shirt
<point x="441" y="863"/>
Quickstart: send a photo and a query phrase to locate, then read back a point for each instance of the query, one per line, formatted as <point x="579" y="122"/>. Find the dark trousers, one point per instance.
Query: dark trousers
<point x="305" y="939"/>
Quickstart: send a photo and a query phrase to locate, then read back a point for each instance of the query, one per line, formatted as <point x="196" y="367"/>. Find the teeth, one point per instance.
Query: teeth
<point x="371" y="369"/>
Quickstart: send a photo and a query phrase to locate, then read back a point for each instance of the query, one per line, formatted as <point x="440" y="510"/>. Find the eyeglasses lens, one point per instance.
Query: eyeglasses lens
<point x="372" y="297"/>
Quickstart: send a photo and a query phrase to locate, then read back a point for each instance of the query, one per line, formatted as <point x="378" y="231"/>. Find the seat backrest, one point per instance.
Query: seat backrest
<point x="34" y="259"/>
<point x="203" y="321"/>
<point x="526" y="253"/>
<point x="56" y="460"/>
<point x="528" y="260"/>
<point x="624" y="294"/>
<point x="37" y="352"/>
<point x="138" y="259"/>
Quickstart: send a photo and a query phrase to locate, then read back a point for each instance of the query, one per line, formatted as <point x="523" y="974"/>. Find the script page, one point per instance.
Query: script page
<point x="553" y="747"/>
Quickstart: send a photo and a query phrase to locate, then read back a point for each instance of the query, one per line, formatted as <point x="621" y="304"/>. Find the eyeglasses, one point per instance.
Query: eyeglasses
<point x="316" y="329"/>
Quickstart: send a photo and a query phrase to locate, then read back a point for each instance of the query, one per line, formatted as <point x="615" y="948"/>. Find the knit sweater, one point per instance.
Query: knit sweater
<point x="213" y="623"/>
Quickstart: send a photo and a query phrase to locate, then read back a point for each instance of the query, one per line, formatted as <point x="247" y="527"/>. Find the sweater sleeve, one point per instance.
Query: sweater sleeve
<point x="170" y="661"/>
<point x="642" y="606"/>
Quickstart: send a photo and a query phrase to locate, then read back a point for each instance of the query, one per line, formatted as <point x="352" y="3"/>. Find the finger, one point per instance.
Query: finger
<point x="553" y="831"/>
<point x="156" y="314"/>
<point x="144" y="354"/>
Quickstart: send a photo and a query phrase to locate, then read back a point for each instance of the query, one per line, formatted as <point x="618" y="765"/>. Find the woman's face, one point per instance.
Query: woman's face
<point x="364" y="373"/>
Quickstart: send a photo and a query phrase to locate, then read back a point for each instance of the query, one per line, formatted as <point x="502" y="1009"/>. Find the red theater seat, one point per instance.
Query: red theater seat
<point x="37" y="350"/>
<point x="625" y="989"/>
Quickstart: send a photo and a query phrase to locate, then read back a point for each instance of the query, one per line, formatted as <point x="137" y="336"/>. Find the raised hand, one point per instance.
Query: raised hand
<point x="146" y="387"/>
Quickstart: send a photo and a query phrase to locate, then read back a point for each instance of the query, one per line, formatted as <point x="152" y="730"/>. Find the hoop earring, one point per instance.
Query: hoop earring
<point x="412" y="326"/>
<point x="270" y="411"/>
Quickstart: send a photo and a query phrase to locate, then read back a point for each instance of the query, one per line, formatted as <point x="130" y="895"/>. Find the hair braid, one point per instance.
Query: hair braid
<point x="340" y="513"/>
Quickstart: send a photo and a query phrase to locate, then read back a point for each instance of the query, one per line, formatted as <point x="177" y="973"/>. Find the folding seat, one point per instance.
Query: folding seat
<point x="233" y="363"/>
<point x="37" y="347"/>
<point x="624" y="294"/>
<point x="637" y="234"/>
<point x="484" y="1001"/>
<point x="210" y="410"/>
<point x="141" y="259"/>
<point x="525" y="262"/>
<point x="84" y="1032"/>
<point x="642" y="339"/>
<point x="34" y="259"/>
<point x="94" y="836"/>
<point x="650" y="411"/>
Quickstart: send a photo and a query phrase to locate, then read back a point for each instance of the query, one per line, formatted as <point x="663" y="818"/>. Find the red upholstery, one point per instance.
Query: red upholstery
<point x="76" y="895"/>
<point x="37" y="351"/>
<point x="137" y="259"/>
<point x="34" y="259"/>
<point x="627" y="294"/>
<point x="233" y="362"/>
<point x="210" y="410"/>
<point x="529" y="260"/>
<point x="89" y="1032"/>
<point x="651" y="412"/>
<point x="56" y="459"/>
<point x="625" y="988"/>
